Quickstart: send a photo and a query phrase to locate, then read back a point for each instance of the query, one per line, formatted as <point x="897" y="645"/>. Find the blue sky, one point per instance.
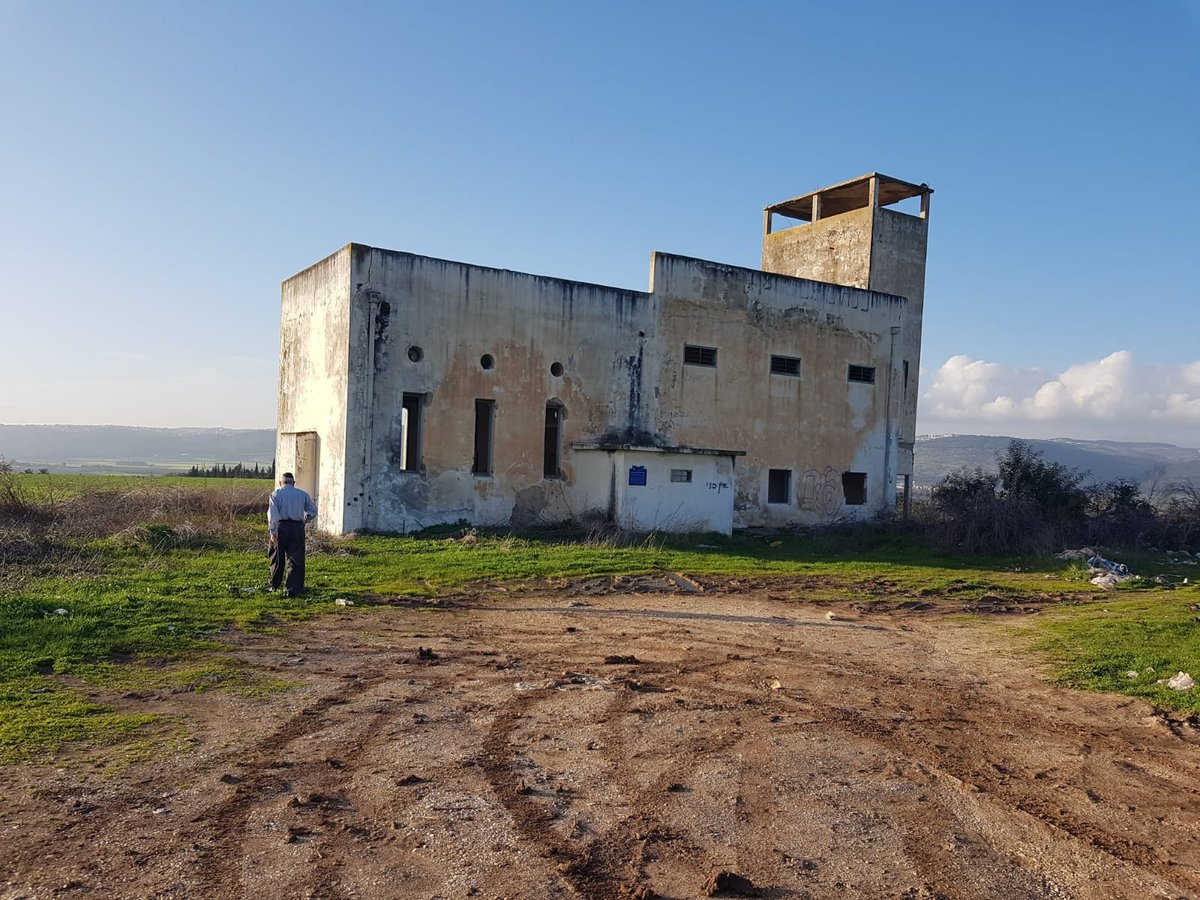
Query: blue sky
<point x="163" y="166"/>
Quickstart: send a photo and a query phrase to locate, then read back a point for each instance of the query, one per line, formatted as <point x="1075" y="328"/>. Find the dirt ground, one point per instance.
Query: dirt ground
<point x="628" y="738"/>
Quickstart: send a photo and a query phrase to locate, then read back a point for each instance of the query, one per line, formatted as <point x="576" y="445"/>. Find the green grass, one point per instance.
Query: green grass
<point x="64" y="486"/>
<point x="144" y="609"/>
<point x="1152" y="633"/>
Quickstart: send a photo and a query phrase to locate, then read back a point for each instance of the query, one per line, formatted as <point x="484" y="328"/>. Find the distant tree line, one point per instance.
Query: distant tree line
<point x="237" y="470"/>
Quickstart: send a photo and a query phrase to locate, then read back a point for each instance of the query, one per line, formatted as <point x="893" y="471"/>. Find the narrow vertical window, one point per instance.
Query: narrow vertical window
<point x="552" y="466"/>
<point x="485" y="420"/>
<point x="413" y="428"/>
<point x="779" y="485"/>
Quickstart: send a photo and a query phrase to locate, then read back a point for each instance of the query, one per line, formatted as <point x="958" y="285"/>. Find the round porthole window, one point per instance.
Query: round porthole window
<point x="487" y="361"/>
<point x="415" y="353"/>
<point x="556" y="369"/>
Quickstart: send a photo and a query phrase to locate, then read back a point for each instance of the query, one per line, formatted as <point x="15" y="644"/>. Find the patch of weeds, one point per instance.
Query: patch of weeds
<point x="41" y="717"/>
<point x="165" y="738"/>
<point x="224" y="674"/>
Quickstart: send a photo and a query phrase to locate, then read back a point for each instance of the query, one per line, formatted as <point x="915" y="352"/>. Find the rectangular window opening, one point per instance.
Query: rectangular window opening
<point x="699" y="356"/>
<point x="785" y="365"/>
<point x="861" y="374"/>
<point x="413" y="435"/>
<point x="681" y="476"/>
<point x="485" y="426"/>
<point x="854" y="487"/>
<point x="552" y="466"/>
<point x="779" y="485"/>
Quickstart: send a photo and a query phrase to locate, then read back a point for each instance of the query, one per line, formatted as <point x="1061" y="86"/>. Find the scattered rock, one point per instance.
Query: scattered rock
<point x="571" y="629"/>
<point x="342" y="601"/>
<point x="616" y="660"/>
<point x="638" y="892"/>
<point x="316" y="799"/>
<point x="686" y="583"/>
<point x="833" y="617"/>
<point x="1132" y="673"/>
<point x="334" y="763"/>
<point x="1083" y="553"/>
<point x="426" y="653"/>
<point x="228" y="778"/>
<point x="730" y="883"/>
<point x="774" y="684"/>
<point x="676" y="788"/>
<point x="409" y="780"/>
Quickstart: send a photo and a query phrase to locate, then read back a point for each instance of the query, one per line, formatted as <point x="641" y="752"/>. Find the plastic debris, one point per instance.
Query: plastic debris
<point x="61" y="612"/>
<point x="1106" y="573"/>
<point x="342" y="601"/>
<point x="1099" y="562"/>
<point x="1181" y="681"/>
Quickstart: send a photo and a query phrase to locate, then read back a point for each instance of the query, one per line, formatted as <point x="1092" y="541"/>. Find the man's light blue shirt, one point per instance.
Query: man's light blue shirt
<point x="289" y="502"/>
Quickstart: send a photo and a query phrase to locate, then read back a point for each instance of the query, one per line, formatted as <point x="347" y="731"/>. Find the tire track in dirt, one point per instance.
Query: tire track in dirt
<point x="970" y="775"/>
<point x="267" y="776"/>
<point x="612" y="863"/>
<point x="976" y="776"/>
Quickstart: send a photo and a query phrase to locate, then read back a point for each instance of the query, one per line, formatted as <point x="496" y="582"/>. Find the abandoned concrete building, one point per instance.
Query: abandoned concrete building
<point x="417" y="391"/>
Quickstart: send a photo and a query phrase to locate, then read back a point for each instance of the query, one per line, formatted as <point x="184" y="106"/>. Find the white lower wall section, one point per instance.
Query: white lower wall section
<point x="651" y="489"/>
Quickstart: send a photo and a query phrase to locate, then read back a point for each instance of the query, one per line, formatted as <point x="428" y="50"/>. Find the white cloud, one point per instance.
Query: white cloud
<point x="1115" y="398"/>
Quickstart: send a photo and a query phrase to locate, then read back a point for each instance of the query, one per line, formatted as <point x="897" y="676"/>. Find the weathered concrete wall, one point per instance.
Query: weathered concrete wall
<point x="880" y="249"/>
<point x="367" y="327"/>
<point x="898" y="255"/>
<point x="836" y="250"/>
<point x="816" y="426"/>
<point x="456" y="314"/>
<point x="314" y="379"/>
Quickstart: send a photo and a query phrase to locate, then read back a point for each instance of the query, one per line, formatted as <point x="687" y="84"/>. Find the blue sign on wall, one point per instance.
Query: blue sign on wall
<point x="637" y="475"/>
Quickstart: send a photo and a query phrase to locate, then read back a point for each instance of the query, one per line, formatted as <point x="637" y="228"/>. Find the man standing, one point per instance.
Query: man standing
<point x="287" y="511"/>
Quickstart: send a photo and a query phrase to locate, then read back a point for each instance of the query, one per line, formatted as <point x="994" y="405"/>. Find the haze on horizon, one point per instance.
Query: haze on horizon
<point x="175" y="163"/>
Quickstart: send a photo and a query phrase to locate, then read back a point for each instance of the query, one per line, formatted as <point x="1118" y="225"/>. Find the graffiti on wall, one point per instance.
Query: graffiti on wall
<point x="821" y="490"/>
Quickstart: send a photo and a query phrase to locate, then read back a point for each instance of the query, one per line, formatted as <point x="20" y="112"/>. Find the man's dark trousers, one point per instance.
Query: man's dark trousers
<point x="289" y="549"/>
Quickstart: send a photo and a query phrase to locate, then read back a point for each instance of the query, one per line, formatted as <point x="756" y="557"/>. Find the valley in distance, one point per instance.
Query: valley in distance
<point x="129" y="450"/>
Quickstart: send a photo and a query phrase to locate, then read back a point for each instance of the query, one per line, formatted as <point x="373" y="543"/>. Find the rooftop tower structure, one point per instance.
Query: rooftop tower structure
<point x="849" y="234"/>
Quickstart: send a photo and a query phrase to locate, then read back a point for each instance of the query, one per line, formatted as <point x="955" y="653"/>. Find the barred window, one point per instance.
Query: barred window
<point x="863" y="374"/>
<point x="699" y="356"/>
<point x="785" y="365"/>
